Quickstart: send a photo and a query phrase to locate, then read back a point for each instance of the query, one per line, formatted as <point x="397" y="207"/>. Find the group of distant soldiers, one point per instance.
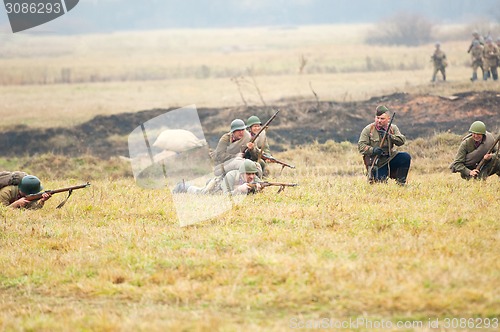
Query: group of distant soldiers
<point x="484" y="53"/>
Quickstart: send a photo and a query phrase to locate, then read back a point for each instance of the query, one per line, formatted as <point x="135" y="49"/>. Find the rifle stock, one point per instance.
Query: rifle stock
<point x="35" y="197"/>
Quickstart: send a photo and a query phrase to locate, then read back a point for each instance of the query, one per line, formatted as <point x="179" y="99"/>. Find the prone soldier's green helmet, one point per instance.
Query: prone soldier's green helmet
<point x="478" y="127"/>
<point x="248" y="166"/>
<point x="237" y="124"/>
<point x="252" y="121"/>
<point x="30" y="184"/>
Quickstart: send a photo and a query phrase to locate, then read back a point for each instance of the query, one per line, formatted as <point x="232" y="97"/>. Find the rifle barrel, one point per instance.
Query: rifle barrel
<point x="35" y="197"/>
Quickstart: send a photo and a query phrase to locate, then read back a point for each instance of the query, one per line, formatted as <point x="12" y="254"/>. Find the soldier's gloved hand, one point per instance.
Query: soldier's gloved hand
<point x="378" y="151"/>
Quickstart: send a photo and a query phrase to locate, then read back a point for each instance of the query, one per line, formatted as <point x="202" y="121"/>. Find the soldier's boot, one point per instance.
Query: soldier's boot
<point x="495" y="75"/>
<point x="444" y="77"/>
<point x="485" y="76"/>
<point x="402" y="174"/>
<point x="474" y="77"/>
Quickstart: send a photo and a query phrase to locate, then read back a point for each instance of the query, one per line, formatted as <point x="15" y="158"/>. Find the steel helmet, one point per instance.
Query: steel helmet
<point x="253" y="120"/>
<point x="237" y="124"/>
<point x="30" y="184"/>
<point x="248" y="166"/>
<point x="478" y="127"/>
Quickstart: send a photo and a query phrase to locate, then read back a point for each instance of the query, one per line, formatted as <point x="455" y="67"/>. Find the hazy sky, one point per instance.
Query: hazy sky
<point x="114" y="15"/>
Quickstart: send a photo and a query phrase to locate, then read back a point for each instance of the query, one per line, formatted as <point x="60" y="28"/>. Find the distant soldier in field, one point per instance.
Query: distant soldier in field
<point x="475" y="37"/>
<point x="15" y="195"/>
<point x="473" y="149"/>
<point x="389" y="162"/>
<point x="241" y="181"/>
<point x="260" y="144"/>
<point x="490" y="60"/>
<point x="440" y="62"/>
<point x="477" y="59"/>
<point x="498" y="58"/>
<point x="228" y="155"/>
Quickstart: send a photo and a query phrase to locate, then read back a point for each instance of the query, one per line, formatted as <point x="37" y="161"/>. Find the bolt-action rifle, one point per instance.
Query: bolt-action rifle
<point x="274" y="160"/>
<point x="35" y="197"/>
<point x="282" y="185"/>
<point x="375" y="159"/>
<point x="479" y="166"/>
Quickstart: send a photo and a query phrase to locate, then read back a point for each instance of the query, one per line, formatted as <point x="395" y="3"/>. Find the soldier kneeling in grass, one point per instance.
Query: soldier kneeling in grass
<point x="376" y="144"/>
<point x="477" y="155"/>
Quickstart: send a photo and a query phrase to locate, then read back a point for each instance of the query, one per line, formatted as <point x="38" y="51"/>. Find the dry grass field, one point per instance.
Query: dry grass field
<point x="332" y="250"/>
<point x="115" y="259"/>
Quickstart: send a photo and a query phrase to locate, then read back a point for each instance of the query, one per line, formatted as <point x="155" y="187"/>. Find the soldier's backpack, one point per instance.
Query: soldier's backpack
<point x="11" y="178"/>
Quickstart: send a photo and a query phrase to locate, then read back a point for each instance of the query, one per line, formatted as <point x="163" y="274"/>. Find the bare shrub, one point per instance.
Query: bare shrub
<point x="401" y="29"/>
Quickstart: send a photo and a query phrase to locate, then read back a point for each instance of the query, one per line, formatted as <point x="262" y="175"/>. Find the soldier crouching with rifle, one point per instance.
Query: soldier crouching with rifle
<point x="376" y="145"/>
<point x="477" y="156"/>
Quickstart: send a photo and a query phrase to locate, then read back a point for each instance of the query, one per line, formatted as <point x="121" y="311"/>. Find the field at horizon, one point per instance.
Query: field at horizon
<point x="66" y="80"/>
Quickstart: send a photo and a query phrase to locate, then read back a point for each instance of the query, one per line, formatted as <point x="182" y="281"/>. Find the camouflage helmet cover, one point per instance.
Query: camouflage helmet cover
<point x="248" y="166"/>
<point x="478" y="127"/>
<point x="253" y="120"/>
<point x="30" y="184"/>
<point x="237" y="124"/>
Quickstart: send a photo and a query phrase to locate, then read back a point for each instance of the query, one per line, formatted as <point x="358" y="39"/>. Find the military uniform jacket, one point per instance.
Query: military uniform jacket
<point x="468" y="156"/>
<point x="477" y="55"/>
<point x="232" y="181"/>
<point x="490" y="55"/>
<point x="10" y="194"/>
<point x="227" y="150"/>
<point x="261" y="144"/>
<point x="439" y="59"/>
<point x="371" y="138"/>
